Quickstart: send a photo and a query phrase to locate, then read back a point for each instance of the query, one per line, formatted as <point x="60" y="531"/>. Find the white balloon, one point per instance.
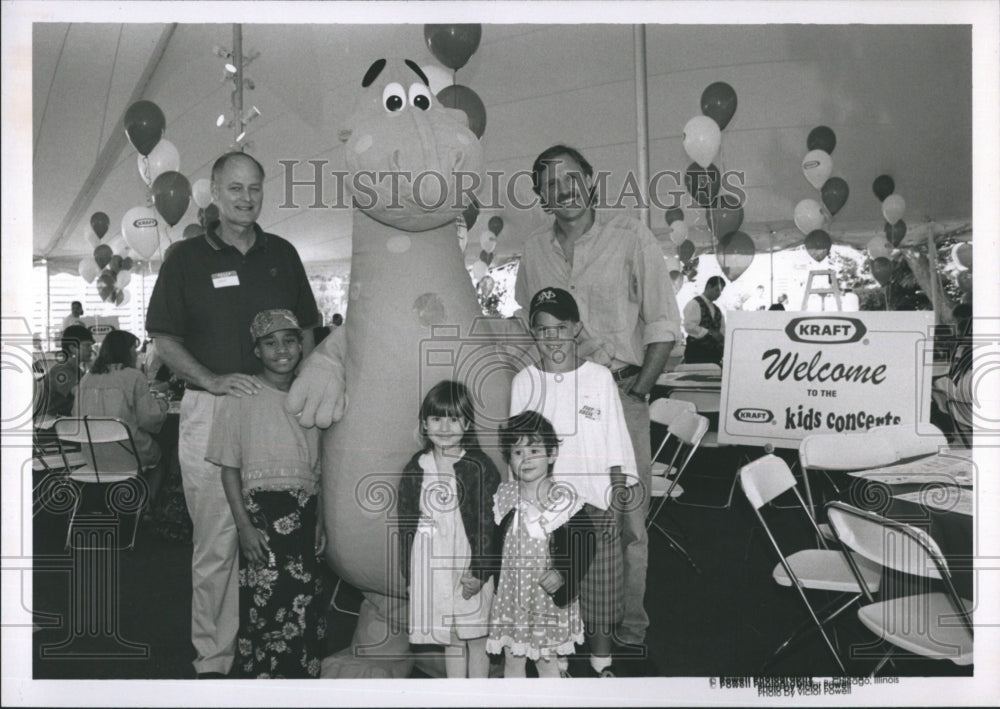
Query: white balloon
<point x="140" y="227"/>
<point x="479" y="269"/>
<point x="488" y="241"/>
<point x="679" y="232"/>
<point x="122" y="279"/>
<point x="163" y="158"/>
<point x="702" y="139"/>
<point x="88" y="268"/>
<point x="817" y="166"/>
<point x="201" y="192"/>
<point x="808" y="216"/>
<point x="438" y="77"/>
<point x="878" y="247"/>
<point x="893" y="208"/>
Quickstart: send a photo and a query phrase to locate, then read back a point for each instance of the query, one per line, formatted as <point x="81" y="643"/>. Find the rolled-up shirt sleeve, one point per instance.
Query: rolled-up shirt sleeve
<point x="659" y="314"/>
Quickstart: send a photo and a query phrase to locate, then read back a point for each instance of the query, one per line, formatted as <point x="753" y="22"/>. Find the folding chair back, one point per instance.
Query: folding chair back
<point x="107" y="446"/>
<point x="765" y="479"/>
<point x="663" y="412"/>
<point x="909" y="441"/>
<point x="707" y="367"/>
<point x="705" y="400"/>
<point x="845" y="451"/>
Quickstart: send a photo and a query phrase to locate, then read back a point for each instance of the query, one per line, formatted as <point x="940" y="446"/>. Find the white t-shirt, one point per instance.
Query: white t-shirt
<point x="585" y="410"/>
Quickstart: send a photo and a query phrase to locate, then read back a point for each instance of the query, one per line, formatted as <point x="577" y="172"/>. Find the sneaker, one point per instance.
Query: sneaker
<point x="607" y="672"/>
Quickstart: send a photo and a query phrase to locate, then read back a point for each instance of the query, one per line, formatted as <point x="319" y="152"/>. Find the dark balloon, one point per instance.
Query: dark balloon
<point x="99" y="222"/>
<point x="703" y="183"/>
<point x="883" y="186"/>
<point x="718" y="102"/>
<point x="171" y="196"/>
<point x="144" y="124"/>
<point x="127" y="264"/>
<point x="115" y="264"/>
<point x="471" y="213"/>
<point x="724" y="220"/>
<point x="685" y="251"/>
<point x="821" y="138"/>
<point x="486" y="257"/>
<point x="882" y="270"/>
<point x="834" y="193"/>
<point x="453" y="45"/>
<point x="193" y="230"/>
<point x="736" y="255"/>
<point x="102" y="255"/>
<point x="818" y="244"/>
<point x="495" y="225"/>
<point x="675" y="214"/>
<point x="208" y="215"/>
<point x="895" y="232"/>
<point x="468" y="101"/>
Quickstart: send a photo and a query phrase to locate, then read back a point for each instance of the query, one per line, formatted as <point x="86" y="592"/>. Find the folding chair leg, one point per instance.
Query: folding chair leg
<point x="676" y="546"/>
<point x="813" y="622"/>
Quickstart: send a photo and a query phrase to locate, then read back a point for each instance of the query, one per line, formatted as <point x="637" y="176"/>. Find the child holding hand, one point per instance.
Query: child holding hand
<point x="270" y="475"/>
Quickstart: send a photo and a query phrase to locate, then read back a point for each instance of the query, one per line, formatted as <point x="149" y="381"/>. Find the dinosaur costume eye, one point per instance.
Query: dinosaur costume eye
<point x="420" y="96"/>
<point x="394" y="97"/>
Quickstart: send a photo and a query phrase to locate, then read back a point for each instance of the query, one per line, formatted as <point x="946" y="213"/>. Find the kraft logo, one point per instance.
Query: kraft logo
<point x="809" y="164"/>
<point x="753" y="415"/>
<point x="826" y="330"/>
<point x="144" y="222"/>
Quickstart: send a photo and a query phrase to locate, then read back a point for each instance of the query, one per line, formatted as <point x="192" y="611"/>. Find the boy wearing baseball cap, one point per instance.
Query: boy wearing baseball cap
<point x="595" y="460"/>
<point x="270" y="474"/>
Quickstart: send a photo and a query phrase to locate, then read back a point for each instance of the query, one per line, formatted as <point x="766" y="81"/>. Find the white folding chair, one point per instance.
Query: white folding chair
<point x="663" y="412"/>
<point x="909" y="441"/>
<point x="684" y="434"/>
<point x="933" y="624"/>
<point x="111" y="460"/>
<point x="762" y="481"/>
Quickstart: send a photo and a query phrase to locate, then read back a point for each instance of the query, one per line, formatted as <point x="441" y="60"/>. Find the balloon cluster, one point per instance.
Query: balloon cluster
<point x="880" y="248"/>
<point x="488" y="245"/>
<point x="961" y="254"/>
<point x="453" y="45"/>
<point x="811" y="217"/>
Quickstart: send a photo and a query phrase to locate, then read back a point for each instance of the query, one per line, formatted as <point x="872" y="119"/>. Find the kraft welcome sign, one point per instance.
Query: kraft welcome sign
<point x="790" y="374"/>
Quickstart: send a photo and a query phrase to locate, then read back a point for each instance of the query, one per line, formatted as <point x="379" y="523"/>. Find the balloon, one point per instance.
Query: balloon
<point x="808" y="216"/>
<point x="964" y="280"/>
<point x="141" y="232"/>
<point x="737" y="255"/>
<point x="679" y="232"/>
<point x="882" y="270"/>
<point x="201" y="191"/>
<point x="479" y="269"/>
<point x="685" y="251"/>
<point x="883" y="186"/>
<point x="471" y="213"/>
<point x="724" y="221"/>
<point x="817" y="166"/>
<point x="107" y="292"/>
<point x="463" y="239"/>
<point x="702" y="139"/>
<point x="193" y="230"/>
<point x="818" y="244"/>
<point x="453" y="44"/>
<point x="102" y="255"/>
<point x="88" y="269"/>
<point x="895" y="232"/>
<point x="115" y="264"/>
<point x="496" y="225"/>
<point x="878" y="247"/>
<point x="122" y="298"/>
<point x="465" y="99"/>
<point x="163" y="158"/>
<point x="821" y="138"/>
<point x="703" y="184"/>
<point x="171" y="196"/>
<point x="128" y="264"/>
<point x="92" y="239"/>
<point x="718" y="102"/>
<point x="486" y="257"/>
<point x="99" y="222"/>
<point x="834" y="194"/>
<point x="674" y="214"/>
<point x="893" y="208"/>
<point x="962" y="253"/>
<point x="122" y="279"/>
<point x="437" y="77"/>
<point x="486" y="286"/>
<point x="144" y="124"/>
<point x="208" y="215"/>
<point x="488" y="241"/>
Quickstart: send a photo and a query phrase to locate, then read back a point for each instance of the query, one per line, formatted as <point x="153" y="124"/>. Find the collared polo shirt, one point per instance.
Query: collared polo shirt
<point x="207" y="294"/>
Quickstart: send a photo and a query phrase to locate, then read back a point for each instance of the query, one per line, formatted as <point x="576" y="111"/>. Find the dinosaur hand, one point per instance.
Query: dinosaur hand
<point x="318" y="395"/>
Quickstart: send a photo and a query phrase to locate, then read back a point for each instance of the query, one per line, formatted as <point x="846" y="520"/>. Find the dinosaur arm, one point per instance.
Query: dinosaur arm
<point x="318" y="395"/>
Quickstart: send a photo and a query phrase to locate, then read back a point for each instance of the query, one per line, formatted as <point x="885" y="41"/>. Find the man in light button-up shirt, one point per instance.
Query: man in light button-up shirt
<point x="614" y="268"/>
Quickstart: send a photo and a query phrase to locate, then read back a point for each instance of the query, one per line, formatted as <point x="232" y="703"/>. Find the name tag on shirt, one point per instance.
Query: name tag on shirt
<point x="225" y="279"/>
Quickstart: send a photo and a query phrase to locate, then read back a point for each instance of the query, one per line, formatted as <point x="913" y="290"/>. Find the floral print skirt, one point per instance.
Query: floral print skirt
<point x="282" y="614"/>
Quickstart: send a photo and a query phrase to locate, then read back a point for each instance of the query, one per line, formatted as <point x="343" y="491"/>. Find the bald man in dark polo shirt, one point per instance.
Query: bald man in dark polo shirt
<point x="205" y="298"/>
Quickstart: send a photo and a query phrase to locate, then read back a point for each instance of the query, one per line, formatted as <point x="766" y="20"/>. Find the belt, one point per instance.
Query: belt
<point x="629" y="370"/>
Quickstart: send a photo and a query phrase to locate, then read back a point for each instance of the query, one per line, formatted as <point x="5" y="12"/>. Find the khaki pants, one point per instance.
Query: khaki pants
<point x="214" y="562"/>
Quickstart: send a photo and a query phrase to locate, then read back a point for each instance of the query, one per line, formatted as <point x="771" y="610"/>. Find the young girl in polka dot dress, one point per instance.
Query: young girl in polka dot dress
<point x="547" y="547"/>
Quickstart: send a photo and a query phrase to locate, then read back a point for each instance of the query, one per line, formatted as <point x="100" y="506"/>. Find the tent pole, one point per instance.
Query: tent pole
<point x="641" y="121"/>
<point x="240" y="126"/>
<point x="935" y="279"/>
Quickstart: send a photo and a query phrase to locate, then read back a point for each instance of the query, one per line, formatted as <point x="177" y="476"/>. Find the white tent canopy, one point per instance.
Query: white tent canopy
<point x="899" y="100"/>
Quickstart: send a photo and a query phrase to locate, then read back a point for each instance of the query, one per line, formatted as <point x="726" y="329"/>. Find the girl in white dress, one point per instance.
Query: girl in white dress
<point x="447" y="532"/>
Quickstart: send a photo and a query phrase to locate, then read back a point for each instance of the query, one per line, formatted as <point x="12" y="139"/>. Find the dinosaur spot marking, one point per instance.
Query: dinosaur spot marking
<point x="430" y="309"/>
<point x="399" y="244"/>
<point x="364" y="142"/>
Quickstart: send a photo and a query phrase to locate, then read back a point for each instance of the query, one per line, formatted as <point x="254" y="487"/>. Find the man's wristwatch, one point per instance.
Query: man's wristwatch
<point x="637" y="396"/>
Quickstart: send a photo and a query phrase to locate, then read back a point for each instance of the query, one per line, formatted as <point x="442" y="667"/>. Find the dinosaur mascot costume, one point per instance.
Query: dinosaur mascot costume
<point x="413" y="320"/>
